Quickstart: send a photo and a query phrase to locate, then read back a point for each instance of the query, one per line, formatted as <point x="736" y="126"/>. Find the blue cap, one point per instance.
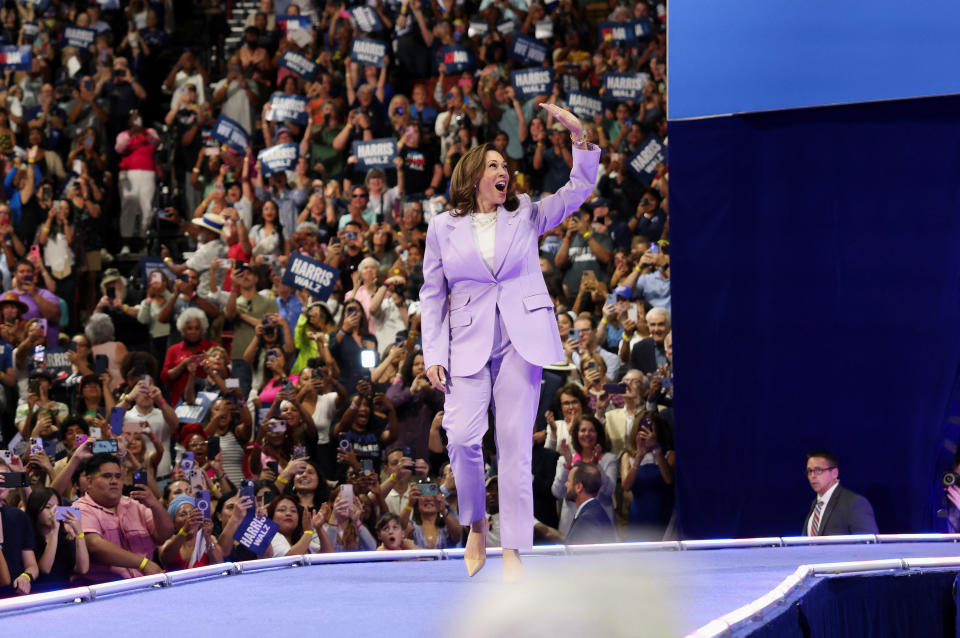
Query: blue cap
<point x="623" y="291"/>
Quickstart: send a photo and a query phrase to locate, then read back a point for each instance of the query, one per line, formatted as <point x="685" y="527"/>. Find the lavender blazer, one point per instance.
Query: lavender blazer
<point x="460" y="296"/>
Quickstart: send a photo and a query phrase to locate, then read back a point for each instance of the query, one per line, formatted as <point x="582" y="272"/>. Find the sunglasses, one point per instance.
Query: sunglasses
<point x="363" y="195"/>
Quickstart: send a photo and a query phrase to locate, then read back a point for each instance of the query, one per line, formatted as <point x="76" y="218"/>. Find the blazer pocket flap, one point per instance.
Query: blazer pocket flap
<point x="541" y="300"/>
<point x="459" y="319"/>
<point x="459" y="301"/>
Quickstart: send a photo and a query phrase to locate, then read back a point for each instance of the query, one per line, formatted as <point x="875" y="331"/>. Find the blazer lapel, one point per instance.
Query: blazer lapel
<point x="506" y="230"/>
<point x="461" y="239"/>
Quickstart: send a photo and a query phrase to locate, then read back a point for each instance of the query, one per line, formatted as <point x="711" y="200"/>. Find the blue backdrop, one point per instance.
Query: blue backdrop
<point x="751" y="55"/>
<point x="816" y="275"/>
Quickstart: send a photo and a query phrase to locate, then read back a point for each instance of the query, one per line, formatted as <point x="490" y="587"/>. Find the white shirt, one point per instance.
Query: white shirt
<point x="825" y="499"/>
<point x="485" y="236"/>
<point x="396" y="501"/>
<point x="323" y="414"/>
<point x="159" y="426"/>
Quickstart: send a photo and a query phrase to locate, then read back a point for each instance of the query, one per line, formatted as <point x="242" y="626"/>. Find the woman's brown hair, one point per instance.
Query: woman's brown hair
<point x="466" y="174"/>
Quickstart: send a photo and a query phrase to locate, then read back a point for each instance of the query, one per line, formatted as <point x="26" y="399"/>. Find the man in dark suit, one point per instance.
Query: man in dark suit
<point x="836" y="510"/>
<point x="590" y="524"/>
<point x="649" y="354"/>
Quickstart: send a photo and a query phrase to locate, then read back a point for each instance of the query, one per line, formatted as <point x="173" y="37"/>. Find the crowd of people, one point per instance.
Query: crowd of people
<point x="167" y="386"/>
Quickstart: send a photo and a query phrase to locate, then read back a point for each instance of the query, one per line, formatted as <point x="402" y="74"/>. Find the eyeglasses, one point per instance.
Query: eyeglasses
<point x="567" y="404"/>
<point x="356" y="195"/>
<point x="819" y="470"/>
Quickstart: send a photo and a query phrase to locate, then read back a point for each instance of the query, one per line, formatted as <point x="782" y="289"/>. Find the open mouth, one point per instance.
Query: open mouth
<point x="501" y="186"/>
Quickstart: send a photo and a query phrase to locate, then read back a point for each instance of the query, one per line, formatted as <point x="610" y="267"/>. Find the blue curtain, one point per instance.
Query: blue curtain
<point x="816" y="271"/>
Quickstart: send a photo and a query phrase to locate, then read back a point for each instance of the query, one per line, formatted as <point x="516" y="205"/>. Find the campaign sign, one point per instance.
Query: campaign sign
<point x="38" y="5"/>
<point x="624" y="87"/>
<point x="377" y="153"/>
<point x="528" y="51"/>
<point x="569" y="83"/>
<point x="282" y="157"/>
<point x="457" y="59"/>
<point x="506" y="26"/>
<point x="80" y="37"/>
<point x="299" y="64"/>
<point x="195" y="412"/>
<point x="308" y="274"/>
<point x="642" y="28"/>
<point x="148" y="264"/>
<point x="367" y="19"/>
<point x="288" y="107"/>
<point x="287" y="23"/>
<point x="30" y="29"/>
<point x="367" y="51"/>
<point x="109" y="5"/>
<point x="478" y="28"/>
<point x="616" y="32"/>
<point x="585" y="105"/>
<point x="55" y="362"/>
<point x="644" y="161"/>
<point x="230" y="132"/>
<point x="528" y="83"/>
<point x="16" y="58"/>
<point x="543" y="29"/>
<point x="256" y="533"/>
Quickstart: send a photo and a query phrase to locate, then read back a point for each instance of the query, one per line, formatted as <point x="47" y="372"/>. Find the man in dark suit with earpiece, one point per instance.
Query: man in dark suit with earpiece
<point x="590" y="524"/>
<point x="836" y="510"/>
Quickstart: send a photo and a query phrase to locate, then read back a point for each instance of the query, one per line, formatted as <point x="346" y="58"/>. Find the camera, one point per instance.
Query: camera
<point x="950" y="478"/>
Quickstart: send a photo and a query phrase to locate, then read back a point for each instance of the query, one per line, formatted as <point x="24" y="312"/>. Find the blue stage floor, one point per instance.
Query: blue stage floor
<point x="659" y="593"/>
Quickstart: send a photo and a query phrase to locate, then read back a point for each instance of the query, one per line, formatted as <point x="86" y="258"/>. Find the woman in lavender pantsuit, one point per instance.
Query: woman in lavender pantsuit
<point x="489" y="328"/>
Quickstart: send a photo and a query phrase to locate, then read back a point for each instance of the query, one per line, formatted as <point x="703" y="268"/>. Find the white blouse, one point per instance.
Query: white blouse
<point x="484" y="227"/>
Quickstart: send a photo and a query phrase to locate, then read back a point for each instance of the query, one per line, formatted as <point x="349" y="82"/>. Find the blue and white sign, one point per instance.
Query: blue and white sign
<point x="528" y="83"/>
<point x="616" y="33"/>
<point x="528" y="51"/>
<point x="230" y="132"/>
<point x="506" y="26"/>
<point x="288" y="107"/>
<point x="569" y="83"/>
<point x="55" y="361"/>
<point x="256" y="533"/>
<point x="367" y="19"/>
<point x="623" y="87"/>
<point x="584" y="105"/>
<point x="197" y="411"/>
<point x="16" y="58"/>
<point x="80" y="37"/>
<point x="149" y="264"/>
<point x="642" y="29"/>
<point x="299" y="64"/>
<point x="543" y="29"/>
<point x="377" y="153"/>
<point x="38" y="5"/>
<point x="316" y="278"/>
<point x="478" y="28"/>
<point x="287" y="23"/>
<point x="282" y="157"/>
<point x="644" y="161"/>
<point x="367" y="51"/>
<point x="457" y="59"/>
<point x="109" y="5"/>
<point x="30" y="29"/>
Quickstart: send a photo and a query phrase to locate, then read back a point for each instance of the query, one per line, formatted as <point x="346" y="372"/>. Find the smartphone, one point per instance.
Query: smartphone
<point x="344" y="445"/>
<point x="277" y="425"/>
<point x="299" y="451"/>
<point x="573" y="334"/>
<point x="611" y="299"/>
<point x="232" y="383"/>
<point x="95" y="432"/>
<point x="346" y="492"/>
<point x="368" y="359"/>
<point x="39" y="354"/>
<point x="367" y="466"/>
<point x="246" y="489"/>
<point x="36" y="446"/>
<point x="591" y="365"/>
<point x="61" y="512"/>
<point x="116" y="419"/>
<point x="274" y="467"/>
<point x="350" y="235"/>
<point x="140" y="477"/>
<point x="213" y="447"/>
<point x="111" y="292"/>
<point x="351" y="310"/>
<point x="79" y="440"/>
<point x="615" y="388"/>
<point x="666" y="382"/>
<point x="14" y="479"/>
<point x="632" y="313"/>
<point x="6" y="456"/>
<point x="186" y="462"/>
<point x="34" y="251"/>
<point x="77" y="167"/>
<point x="428" y="489"/>
<point x="73" y="346"/>
<point x="108" y="446"/>
<point x="88" y="140"/>
<point x="100" y="364"/>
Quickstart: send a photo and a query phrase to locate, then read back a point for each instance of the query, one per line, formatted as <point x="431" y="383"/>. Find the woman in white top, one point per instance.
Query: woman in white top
<point x="297" y="528"/>
<point x="146" y="403"/>
<point x="267" y="237"/>
<point x="226" y="422"/>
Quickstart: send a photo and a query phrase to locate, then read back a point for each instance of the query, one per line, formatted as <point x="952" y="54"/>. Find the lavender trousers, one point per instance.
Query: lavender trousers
<point x="514" y="385"/>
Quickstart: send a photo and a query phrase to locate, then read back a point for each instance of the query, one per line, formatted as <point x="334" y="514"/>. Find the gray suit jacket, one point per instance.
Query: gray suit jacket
<point x="846" y="513"/>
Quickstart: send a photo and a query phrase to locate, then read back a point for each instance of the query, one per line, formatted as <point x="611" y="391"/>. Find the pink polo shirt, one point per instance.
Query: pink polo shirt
<point x="129" y="527"/>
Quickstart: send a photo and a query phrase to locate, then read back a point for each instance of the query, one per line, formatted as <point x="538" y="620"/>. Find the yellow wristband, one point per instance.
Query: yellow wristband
<point x="587" y="234"/>
<point x="309" y="531"/>
<point x="603" y="321"/>
<point x="167" y="259"/>
<point x="143" y="563"/>
<point x="46" y="229"/>
<point x="408" y="506"/>
<point x="29" y="577"/>
<point x="81" y="535"/>
<point x="280" y="479"/>
<point x="393" y="477"/>
<point x="637" y="269"/>
<point x="181" y="532"/>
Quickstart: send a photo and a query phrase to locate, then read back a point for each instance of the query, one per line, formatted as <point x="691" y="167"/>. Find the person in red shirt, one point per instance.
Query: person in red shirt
<point x="182" y="358"/>
<point x="138" y="180"/>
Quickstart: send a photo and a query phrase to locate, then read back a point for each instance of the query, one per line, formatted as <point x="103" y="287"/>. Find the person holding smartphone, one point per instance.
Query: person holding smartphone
<point x="352" y="336"/>
<point x="61" y="550"/>
<point x="489" y="328"/>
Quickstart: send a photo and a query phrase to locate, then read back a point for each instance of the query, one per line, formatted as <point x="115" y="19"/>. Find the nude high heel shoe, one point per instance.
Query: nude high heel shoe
<point x="473" y="562"/>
